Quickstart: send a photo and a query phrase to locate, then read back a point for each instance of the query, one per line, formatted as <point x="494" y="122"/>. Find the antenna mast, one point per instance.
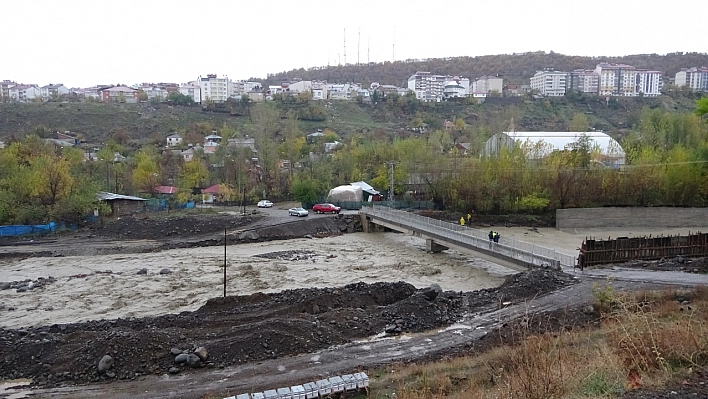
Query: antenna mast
<point x="358" y="44"/>
<point x="368" y="50"/>
<point x="345" y="46"/>
<point x="394" y="47"/>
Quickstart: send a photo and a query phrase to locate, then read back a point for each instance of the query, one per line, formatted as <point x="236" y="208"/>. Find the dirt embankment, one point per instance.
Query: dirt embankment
<point x="243" y="329"/>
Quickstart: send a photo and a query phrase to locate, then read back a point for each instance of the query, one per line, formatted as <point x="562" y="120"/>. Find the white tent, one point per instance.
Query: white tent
<point x="345" y="194"/>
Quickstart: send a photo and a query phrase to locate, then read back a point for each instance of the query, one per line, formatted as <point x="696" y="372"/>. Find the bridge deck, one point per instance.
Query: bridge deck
<point x="465" y="237"/>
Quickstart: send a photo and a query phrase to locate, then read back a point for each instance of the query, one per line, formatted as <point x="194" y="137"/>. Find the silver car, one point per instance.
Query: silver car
<point x="298" y="212"/>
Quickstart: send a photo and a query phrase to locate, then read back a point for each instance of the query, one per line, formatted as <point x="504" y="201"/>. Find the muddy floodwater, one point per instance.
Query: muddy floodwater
<point x="109" y="286"/>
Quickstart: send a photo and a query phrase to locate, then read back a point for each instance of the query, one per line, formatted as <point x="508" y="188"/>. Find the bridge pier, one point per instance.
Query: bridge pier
<point x="433" y="247"/>
<point x="370" y="227"/>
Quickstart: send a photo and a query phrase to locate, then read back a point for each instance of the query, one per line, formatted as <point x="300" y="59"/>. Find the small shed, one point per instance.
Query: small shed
<point x="122" y="205"/>
<point x="368" y="192"/>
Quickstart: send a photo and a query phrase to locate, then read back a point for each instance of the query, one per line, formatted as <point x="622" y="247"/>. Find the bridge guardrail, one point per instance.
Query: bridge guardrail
<point x="523" y="251"/>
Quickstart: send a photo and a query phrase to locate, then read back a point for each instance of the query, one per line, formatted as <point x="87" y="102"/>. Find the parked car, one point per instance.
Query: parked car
<point x="265" y="204"/>
<point x="326" y="208"/>
<point x="298" y="212"/>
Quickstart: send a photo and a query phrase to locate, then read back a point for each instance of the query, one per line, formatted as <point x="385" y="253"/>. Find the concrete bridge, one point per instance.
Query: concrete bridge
<point x="440" y="235"/>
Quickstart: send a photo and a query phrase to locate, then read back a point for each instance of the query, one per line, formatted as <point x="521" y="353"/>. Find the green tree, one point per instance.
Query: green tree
<point x="146" y="174"/>
<point x="702" y="107"/>
<point x="579" y="123"/>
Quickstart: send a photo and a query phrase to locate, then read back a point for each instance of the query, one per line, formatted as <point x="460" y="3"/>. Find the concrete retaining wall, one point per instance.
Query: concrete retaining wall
<point x="631" y="217"/>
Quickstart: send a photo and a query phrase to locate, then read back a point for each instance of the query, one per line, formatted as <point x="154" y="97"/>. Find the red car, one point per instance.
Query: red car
<point x="326" y="208"/>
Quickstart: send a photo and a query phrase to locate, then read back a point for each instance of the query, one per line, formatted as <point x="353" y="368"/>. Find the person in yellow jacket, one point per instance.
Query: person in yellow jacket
<point x="462" y="221"/>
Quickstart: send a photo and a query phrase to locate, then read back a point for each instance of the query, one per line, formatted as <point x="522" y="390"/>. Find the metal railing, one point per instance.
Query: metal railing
<point x="512" y="248"/>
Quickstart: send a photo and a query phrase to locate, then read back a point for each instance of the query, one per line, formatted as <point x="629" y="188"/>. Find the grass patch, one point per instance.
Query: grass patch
<point x="646" y="339"/>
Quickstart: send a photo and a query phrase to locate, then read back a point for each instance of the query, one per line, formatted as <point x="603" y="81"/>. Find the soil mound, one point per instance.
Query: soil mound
<point x="243" y="329"/>
<point x="172" y="227"/>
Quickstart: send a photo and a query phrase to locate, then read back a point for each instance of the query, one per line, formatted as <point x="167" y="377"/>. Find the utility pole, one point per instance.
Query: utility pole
<point x="358" y="43"/>
<point x="345" y="46"/>
<point x="391" y="185"/>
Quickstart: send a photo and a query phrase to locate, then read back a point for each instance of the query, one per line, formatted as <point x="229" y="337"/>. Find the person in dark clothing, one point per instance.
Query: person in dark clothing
<point x="496" y="237"/>
<point x="491" y="235"/>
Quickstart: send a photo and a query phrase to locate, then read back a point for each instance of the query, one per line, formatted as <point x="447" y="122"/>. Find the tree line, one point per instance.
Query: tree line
<point x="666" y="154"/>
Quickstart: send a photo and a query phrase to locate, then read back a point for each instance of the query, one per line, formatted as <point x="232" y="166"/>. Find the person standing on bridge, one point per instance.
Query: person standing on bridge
<point x="496" y="237"/>
<point x="462" y="221"/>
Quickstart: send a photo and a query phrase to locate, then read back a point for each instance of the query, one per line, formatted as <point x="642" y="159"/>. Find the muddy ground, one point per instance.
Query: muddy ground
<point x="246" y="329"/>
<point x="242" y="329"/>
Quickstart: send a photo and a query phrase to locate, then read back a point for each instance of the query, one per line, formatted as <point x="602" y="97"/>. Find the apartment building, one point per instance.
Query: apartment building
<point x="119" y="94"/>
<point x="549" y="83"/>
<point x="214" y="88"/>
<point x="487" y="84"/>
<point x="695" y="78"/>
<point x="617" y="80"/>
<point x="584" y="81"/>
<point x="5" y="90"/>
<point x="241" y="87"/>
<point x="193" y="91"/>
<point x="649" y="83"/>
<point x="53" y="91"/>
<point x="24" y="93"/>
<point x="429" y="87"/>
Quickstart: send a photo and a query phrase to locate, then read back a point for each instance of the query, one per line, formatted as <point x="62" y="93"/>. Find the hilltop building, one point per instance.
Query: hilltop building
<point x="695" y="78"/>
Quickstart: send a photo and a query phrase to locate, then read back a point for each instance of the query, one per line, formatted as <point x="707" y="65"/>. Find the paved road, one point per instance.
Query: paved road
<point x="346" y="358"/>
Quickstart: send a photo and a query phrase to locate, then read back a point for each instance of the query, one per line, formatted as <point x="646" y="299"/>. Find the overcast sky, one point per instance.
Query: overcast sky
<point x="87" y="42"/>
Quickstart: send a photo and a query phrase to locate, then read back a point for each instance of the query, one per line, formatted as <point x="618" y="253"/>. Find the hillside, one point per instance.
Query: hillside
<point x="514" y="68"/>
<point x="144" y="123"/>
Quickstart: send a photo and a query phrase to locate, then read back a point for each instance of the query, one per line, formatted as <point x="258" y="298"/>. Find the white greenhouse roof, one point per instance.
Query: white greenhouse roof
<point x="561" y="140"/>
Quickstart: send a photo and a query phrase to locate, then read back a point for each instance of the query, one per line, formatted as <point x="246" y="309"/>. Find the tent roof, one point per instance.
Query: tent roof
<point x="560" y="140"/>
<point x="212" y="190"/>
<point x="365" y="187"/>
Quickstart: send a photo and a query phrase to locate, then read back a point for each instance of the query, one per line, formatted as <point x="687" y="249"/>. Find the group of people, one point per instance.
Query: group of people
<point x="493" y="236"/>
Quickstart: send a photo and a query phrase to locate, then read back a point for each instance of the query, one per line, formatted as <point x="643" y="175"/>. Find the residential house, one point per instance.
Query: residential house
<point x="210" y="147"/>
<point x="166" y="190"/>
<point x="299" y="87"/>
<point x="51" y="91"/>
<point x="63" y="139"/>
<point x="213" y="138"/>
<point x="330" y="147"/>
<point x="24" y="93"/>
<point x="214" y="88"/>
<point x="192" y="91"/>
<point x="312" y="137"/>
<point x="462" y="148"/>
<point x="119" y="94"/>
<point x="549" y="82"/>
<point x="486" y="85"/>
<point x="174" y="140"/>
<point x="694" y="78"/>
<point x="189" y="153"/>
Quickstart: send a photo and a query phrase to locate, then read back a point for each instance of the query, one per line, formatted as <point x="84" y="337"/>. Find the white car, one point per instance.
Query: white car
<point x="265" y="204"/>
<point x="298" y="212"/>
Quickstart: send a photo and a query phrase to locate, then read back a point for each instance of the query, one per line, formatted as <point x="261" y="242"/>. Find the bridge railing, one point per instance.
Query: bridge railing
<point x="523" y="251"/>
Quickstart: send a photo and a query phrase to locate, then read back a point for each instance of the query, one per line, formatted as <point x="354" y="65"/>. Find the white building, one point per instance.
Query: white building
<point x="241" y="87"/>
<point x="5" y="90"/>
<point x="429" y="87"/>
<point x="649" y="83"/>
<point x="155" y="93"/>
<point x="538" y="145"/>
<point x="53" y="91"/>
<point x="174" y="140"/>
<point x="299" y="87"/>
<point x="319" y="91"/>
<point x="549" y="83"/>
<point x="24" y="93"/>
<point x="193" y="91"/>
<point x="453" y="89"/>
<point x="214" y="88"/>
<point x="487" y="84"/>
<point x="617" y="80"/>
<point x="695" y="78"/>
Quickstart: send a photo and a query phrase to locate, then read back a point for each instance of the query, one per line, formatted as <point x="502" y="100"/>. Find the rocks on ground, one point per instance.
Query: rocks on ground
<point x="244" y="329"/>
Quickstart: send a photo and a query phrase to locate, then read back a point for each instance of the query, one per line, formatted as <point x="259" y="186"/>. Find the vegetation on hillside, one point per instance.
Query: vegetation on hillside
<point x="666" y="156"/>
<point x="514" y="68"/>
